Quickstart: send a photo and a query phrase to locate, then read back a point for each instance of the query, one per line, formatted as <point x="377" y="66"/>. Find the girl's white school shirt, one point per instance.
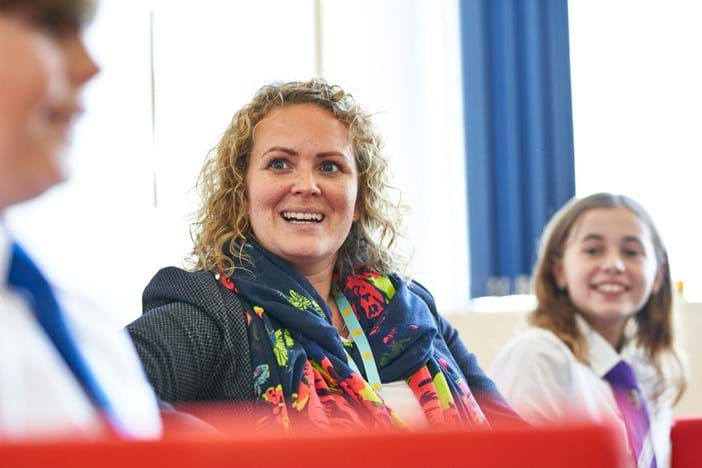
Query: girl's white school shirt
<point x="541" y="379"/>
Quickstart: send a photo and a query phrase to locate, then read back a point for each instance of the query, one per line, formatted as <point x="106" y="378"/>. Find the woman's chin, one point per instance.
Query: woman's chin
<point x="307" y="257"/>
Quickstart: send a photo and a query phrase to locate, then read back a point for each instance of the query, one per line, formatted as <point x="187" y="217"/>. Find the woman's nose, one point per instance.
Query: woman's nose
<point x="306" y="182"/>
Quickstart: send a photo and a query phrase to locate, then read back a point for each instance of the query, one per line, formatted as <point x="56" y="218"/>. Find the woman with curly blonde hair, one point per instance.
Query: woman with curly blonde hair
<point x="295" y="307"/>
<point x="222" y="183"/>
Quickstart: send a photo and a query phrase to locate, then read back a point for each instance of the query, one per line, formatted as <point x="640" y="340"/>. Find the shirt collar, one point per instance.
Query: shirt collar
<point x="601" y="355"/>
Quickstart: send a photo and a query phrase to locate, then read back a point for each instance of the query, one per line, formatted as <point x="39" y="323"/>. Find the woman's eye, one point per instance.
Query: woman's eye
<point x="329" y="166"/>
<point x="278" y="164"/>
<point x="592" y="250"/>
<point x="632" y="253"/>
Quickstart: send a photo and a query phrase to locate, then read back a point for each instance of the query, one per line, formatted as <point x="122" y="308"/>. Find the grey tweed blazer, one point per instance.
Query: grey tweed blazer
<point x="192" y="339"/>
<point x="193" y="342"/>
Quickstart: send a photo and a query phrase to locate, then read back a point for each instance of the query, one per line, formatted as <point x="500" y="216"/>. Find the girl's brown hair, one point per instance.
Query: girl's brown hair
<point x="222" y="223"/>
<point x="556" y="312"/>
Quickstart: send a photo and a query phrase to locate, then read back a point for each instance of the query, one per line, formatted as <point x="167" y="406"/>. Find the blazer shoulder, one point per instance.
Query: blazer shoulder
<point x="176" y="289"/>
<point x="193" y="338"/>
<point x="172" y="284"/>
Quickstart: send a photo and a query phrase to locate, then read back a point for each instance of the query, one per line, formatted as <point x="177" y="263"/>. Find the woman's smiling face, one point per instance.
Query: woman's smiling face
<point x="302" y="185"/>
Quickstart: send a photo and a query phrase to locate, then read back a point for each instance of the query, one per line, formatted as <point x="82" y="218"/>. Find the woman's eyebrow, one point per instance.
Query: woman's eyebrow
<point x="283" y="149"/>
<point x="326" y="154"/>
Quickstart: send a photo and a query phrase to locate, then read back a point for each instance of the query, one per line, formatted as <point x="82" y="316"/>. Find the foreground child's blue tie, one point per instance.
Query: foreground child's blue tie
<point x="25" y="278"/>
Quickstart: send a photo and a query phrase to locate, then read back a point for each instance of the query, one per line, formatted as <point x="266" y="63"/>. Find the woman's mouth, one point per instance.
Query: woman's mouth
<point x="302" y="218"/>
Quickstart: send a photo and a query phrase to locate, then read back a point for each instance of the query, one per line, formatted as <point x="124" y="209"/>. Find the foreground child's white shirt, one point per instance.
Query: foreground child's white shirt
<point x="540" y="377"/>
<point x="40" y="397"/>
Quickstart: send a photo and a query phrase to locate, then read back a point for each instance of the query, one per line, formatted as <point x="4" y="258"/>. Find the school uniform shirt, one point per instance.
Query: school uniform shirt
<point x="541" y="379"/>
<point x="39" y="395"/>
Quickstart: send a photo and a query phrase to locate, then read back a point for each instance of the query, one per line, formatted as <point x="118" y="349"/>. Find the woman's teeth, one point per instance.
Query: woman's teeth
<point x="302" y="217"/>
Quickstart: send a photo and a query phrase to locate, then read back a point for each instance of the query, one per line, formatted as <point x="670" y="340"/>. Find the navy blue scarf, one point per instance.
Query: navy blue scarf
<point x="301" y="365"/>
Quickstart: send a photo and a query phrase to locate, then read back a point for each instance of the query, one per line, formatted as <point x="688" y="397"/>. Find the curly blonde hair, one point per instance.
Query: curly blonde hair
<point x="556" y="312"/>
<point x="222" y="223"/>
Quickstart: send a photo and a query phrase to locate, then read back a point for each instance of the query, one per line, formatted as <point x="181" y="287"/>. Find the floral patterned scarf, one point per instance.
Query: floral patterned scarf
<point x="301" y="367"/>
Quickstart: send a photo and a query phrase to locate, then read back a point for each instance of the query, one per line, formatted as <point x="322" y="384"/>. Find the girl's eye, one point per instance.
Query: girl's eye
<point x="329" y="166"/>
<point x="592" y="250"/>
<point x="632" y="253"/>
<point x="278" y="164"/>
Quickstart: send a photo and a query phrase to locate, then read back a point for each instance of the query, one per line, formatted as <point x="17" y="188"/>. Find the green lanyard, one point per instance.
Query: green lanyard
<point x="359" y="338"/>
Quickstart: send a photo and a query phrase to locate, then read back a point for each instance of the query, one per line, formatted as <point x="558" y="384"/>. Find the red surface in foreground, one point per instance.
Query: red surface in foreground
<point x="235" y="444"/>
<point x="581" y="446"/>
<point x="686" y="438"/>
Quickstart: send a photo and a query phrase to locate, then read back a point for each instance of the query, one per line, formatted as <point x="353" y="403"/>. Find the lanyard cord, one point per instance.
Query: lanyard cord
<point x="359" y="338"/>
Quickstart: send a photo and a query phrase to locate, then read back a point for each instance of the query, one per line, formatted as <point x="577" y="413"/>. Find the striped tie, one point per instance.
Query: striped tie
<point x="25" y="278"/>
<point x="633" y="410"/>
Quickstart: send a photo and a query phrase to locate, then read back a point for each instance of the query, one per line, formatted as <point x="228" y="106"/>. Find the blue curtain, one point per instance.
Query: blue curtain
<point x="519" y="133"/>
